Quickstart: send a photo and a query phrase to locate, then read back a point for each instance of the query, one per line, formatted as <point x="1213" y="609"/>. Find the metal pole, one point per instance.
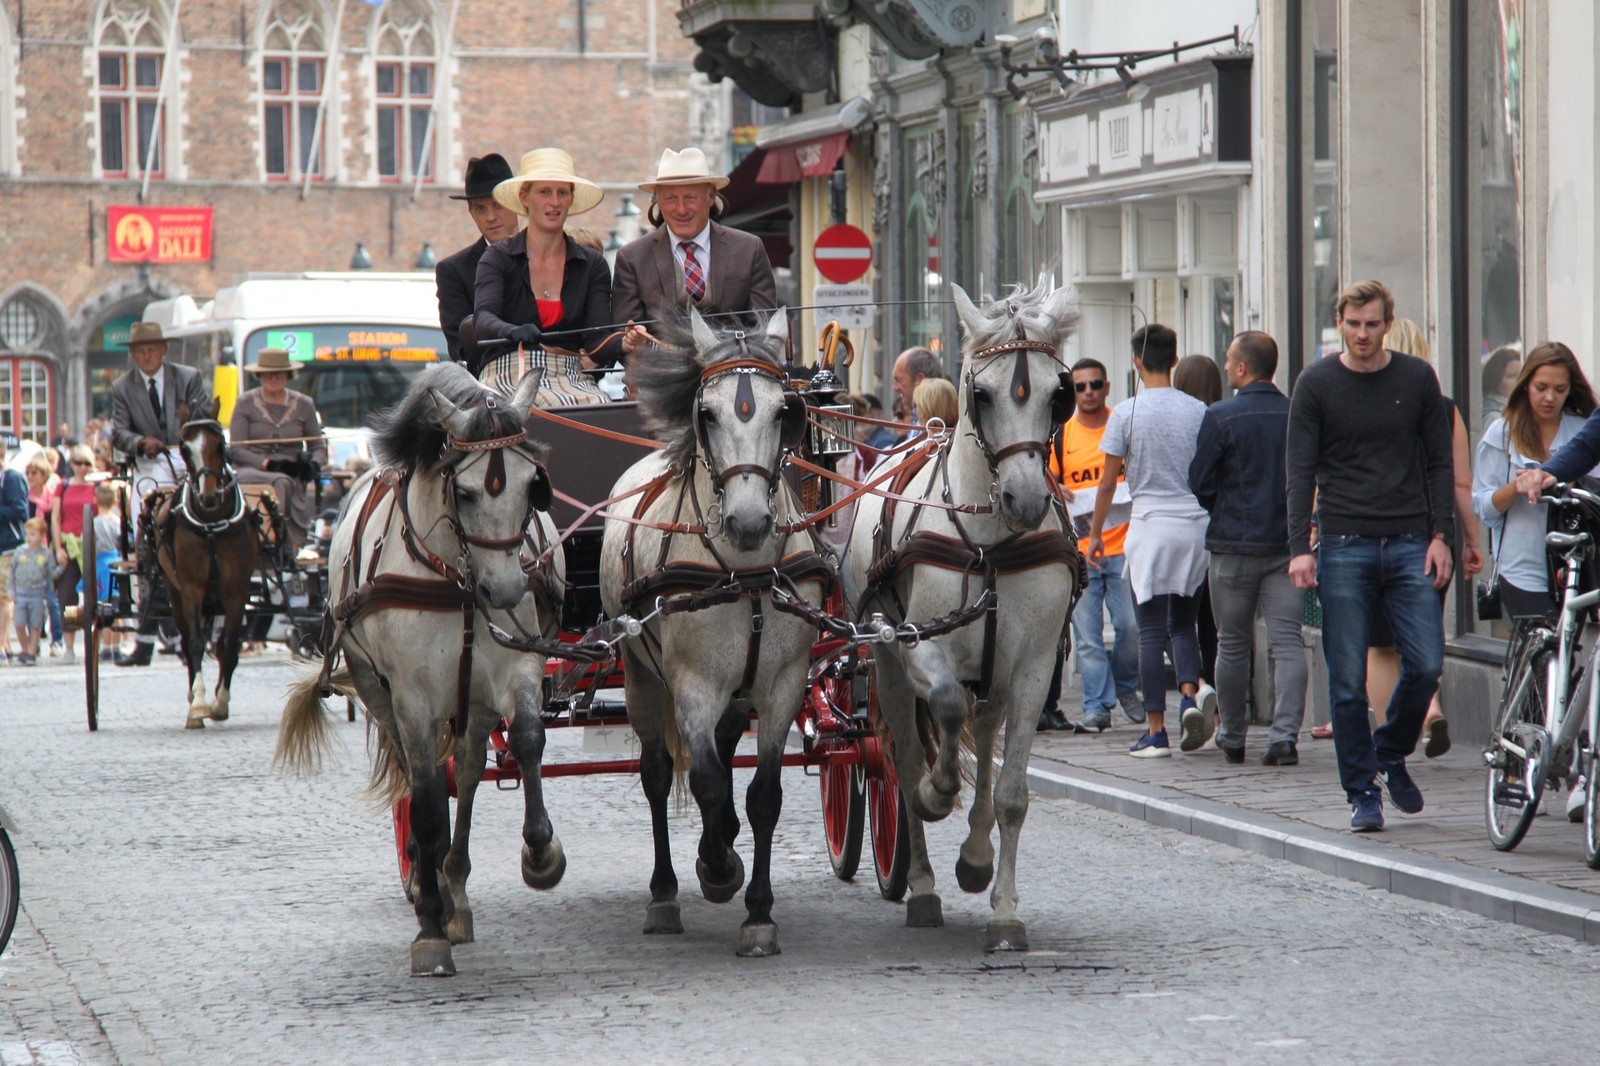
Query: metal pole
<point x="157" y="126"/>
<point x="433" y="109"/>
<point x="328" y="77"/>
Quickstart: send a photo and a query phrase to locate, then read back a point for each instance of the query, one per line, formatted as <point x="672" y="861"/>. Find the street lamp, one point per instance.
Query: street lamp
<point x="426" y="260"/>
<point x="1049" y="59"/>
<point x="361" y="260"/>
<point x="627" y="218"/>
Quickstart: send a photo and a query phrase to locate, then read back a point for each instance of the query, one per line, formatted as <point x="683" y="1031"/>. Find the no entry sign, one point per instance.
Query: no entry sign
<point x="842" y="253"/>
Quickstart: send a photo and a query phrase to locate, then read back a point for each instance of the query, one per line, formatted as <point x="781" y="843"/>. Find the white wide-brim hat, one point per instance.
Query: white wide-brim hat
<point x="688" y="167"/>
<point x="548" y="164"/>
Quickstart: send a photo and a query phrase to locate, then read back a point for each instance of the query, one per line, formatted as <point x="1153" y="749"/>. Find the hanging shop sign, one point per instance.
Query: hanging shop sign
<point x="158" y="234"/>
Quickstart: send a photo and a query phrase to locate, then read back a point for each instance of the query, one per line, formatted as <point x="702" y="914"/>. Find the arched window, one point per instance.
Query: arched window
<point x="29" y="328"/>
<point x="296" y="121"/>
<point x="406" y="63"/>
<point x="131" y="42"/>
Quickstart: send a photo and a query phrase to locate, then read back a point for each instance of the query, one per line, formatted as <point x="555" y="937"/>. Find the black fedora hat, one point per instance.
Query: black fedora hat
<point x="483" y="174"/>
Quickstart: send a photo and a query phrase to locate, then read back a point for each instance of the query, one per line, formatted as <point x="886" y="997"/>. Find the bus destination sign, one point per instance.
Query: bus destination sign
<point x="350" y="345"/>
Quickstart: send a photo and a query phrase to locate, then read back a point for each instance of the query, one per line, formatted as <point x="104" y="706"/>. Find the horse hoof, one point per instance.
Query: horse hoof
<point x="219" y="713"/>
<point x="663" y="916"/>
<point x="431" y="958"/>
<point x="758" y="941"/>
<point x="723" y="891"/>
<point x="1009" y="935"/>
<point x="972" y="877"/>
<point x="545" y="874"/>
<point x="924" y="912"/>
<point x="930" y="804"/>
<point x="196" y="721"/>
<point x="459" y="928"/>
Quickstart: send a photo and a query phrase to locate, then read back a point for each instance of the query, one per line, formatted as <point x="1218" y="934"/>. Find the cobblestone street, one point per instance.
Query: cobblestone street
<point x="185" y="903"/>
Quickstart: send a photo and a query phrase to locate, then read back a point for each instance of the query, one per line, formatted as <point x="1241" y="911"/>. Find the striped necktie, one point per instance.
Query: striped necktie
<point x="694" y="279"/>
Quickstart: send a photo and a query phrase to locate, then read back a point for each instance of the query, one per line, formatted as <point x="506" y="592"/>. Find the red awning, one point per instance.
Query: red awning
<point x="815" y="158"/>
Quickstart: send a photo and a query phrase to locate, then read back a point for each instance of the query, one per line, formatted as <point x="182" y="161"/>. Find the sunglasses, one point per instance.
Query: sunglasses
<point x="1084" y="386"/>
<point x="82" y="462"/>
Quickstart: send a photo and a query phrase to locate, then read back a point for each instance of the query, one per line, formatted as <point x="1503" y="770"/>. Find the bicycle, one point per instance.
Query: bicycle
<point x="10" y="892"/>
<point x="1536" y="737"/>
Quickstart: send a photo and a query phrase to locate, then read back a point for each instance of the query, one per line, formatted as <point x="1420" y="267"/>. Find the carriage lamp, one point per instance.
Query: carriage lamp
<point x="426" y="260"/>
<point x="1049" y="59"/>
<point x="361" y="260"/>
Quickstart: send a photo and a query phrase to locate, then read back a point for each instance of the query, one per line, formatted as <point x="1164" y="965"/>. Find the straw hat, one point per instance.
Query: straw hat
<point x="548" y="164"/>
<point x="688" y="167"/>
<point x="273" y="359"/>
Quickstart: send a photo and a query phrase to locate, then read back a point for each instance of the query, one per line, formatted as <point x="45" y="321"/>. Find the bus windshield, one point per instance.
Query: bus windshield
<point x="351" y="370"/>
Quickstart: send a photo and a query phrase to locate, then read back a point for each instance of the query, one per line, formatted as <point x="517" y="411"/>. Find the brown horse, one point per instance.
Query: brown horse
<point x="206" y="545"/>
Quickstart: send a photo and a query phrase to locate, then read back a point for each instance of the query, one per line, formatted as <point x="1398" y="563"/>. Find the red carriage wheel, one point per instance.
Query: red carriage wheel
<point x="891" y="847"/>
<point x="843" y="783"/>
<point x="402" y="841"/>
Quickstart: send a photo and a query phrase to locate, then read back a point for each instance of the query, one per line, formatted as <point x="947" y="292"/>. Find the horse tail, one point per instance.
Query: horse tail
<point x="388" y="783"/>
<point x="303" y="733"/>
<point x="673" y="739"/>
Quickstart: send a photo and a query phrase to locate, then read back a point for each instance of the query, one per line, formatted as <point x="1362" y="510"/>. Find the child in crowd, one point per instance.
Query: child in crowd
<point x="107" y="534"/>
<point x="33" y="569"/>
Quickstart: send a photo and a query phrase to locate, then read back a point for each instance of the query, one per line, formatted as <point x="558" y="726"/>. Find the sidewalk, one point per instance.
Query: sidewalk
<point x="1298" y="813"/>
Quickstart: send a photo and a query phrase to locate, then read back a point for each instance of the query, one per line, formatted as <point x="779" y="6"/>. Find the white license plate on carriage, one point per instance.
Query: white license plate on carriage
<point x="829" y="435"/>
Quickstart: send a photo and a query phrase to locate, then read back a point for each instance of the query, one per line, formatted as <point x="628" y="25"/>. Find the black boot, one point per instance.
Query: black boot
<point x="140" y="656"/>
<point x="1052" y="720"/>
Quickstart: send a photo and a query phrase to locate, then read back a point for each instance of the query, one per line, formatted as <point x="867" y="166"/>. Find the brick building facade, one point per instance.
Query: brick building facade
<point x="307" y="126"/>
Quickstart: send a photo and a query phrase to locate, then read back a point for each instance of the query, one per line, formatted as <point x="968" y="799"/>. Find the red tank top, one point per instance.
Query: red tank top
<point x="549" y="312"/>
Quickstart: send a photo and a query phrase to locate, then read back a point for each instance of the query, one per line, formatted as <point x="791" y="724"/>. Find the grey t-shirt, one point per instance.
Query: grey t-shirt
<point x="1155" y="434"/>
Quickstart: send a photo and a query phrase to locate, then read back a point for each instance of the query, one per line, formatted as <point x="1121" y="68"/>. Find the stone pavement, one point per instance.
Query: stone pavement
<point x="1298" y="813"/>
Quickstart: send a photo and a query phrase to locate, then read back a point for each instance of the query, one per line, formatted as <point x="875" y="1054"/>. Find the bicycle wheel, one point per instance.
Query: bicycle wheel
<point x="1591" y="818"/>
<point x="1511" y="797"/>
<point x="10" y="892"/>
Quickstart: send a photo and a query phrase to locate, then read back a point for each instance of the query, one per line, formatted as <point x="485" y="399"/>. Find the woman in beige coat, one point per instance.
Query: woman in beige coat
<point x="276" y="412"/>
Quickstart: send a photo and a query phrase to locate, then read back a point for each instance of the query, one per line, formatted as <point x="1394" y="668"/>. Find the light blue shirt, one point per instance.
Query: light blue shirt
<point x="1518" y="534"/>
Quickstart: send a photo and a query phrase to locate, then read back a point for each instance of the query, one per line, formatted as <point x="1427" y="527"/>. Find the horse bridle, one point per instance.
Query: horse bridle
<point x="1020" y="390"/>
<point x="226" y="477"/>
<point x="744" y="408"/>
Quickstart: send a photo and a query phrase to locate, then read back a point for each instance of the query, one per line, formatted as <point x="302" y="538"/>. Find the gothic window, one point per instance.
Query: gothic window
<point x="132" y="56"/>
<point x="405" y="67"/>
<point x="295" y="126"/>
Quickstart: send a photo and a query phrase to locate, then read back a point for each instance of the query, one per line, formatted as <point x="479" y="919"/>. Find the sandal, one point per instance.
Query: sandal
<point x="1322" y="732"/>
<point x="1436" y="733"/>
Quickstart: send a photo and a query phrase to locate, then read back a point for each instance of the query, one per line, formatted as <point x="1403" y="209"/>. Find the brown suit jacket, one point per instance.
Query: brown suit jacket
<point x="649" y="287"/>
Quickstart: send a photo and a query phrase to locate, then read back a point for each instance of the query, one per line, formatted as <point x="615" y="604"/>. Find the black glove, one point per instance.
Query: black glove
<point x="280" y="466"/>
<point x="526" y="335"/>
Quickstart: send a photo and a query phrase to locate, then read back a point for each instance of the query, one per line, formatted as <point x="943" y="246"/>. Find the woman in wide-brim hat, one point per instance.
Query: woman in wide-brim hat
<point x="541" y="291"/>
<point x="273" y="411"/>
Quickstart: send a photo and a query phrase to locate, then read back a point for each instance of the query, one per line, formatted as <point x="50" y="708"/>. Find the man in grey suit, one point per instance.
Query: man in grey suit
<point x="149" y="405"/>
<point x="688" y="260"/>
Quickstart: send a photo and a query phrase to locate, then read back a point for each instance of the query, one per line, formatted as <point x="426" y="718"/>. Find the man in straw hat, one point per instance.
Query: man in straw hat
<point x="275" y="412"/>
<point x="456" y="275"/>
<point x="149" y="405"/>
<point x="688" y="260"/>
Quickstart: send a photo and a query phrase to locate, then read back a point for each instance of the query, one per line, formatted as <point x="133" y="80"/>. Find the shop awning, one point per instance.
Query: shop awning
<point x="788" y="163"/>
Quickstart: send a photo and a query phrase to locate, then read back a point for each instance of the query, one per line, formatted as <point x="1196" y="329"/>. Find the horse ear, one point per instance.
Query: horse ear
<point x="971" y="318"/>
<point x="522" y="400"/>
<point x="1059" y="308"/>
<point x="777" y="326"/>
<point x="452" y="419"/>
<point x="705" y="338"/>
<point x="209" y="410"/>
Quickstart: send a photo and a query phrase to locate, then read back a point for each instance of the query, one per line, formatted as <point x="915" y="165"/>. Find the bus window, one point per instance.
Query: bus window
<point x="351" y="370"/>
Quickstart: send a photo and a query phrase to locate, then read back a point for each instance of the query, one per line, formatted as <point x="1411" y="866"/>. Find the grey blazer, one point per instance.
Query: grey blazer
<point x="648" y="286"/>
<point x="182" y="395"/>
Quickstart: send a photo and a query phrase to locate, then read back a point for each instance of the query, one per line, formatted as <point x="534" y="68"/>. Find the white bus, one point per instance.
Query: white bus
<point x="358" y="338"/>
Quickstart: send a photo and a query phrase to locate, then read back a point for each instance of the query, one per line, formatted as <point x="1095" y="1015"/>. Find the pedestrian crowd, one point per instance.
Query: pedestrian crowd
<point x="1359" y="493"/>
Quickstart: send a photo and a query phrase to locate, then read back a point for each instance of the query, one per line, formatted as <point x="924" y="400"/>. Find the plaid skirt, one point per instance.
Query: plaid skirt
<point x="562" y="383"/>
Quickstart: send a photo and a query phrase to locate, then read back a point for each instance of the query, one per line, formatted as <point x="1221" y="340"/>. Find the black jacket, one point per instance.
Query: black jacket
<point x="504" y="299"/>
<point x="457" y="277"/>
<point x="1240" y="472"/>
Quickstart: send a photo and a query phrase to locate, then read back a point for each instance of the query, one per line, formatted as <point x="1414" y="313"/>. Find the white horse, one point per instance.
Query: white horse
<point x="436" y="617"/>
<point x="924" y="561"/>
<point x="710" y="549"/>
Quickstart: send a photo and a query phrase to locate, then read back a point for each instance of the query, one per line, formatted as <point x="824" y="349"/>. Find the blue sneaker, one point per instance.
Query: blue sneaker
<point x="1132" y="707"/>
<point x="1366" y="813"/>
<point x="1404" y="791"/>
<point x="1151" y="746"/>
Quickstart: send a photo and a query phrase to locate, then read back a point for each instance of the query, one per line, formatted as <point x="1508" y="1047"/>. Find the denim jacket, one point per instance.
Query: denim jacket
<point x="1240" y="472"/>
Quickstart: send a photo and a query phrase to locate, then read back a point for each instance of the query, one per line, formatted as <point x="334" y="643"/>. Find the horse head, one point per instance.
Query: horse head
<point x="726" y="398"/>
<point x="205" y="454"/>
<point x="493" y="478"/>
<point x="1015" y="391"/>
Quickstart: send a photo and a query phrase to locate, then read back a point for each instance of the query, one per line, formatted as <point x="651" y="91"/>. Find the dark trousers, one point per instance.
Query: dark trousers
<point x="1162" y="619"/>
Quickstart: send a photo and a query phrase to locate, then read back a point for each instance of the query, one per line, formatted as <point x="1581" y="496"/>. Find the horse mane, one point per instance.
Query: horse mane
<point x="408" y="435"/>
<point x="666" y="378"/>
<point x="1041" y="311"/>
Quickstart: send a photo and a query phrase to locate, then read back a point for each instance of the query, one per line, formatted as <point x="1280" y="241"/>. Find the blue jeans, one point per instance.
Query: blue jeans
<point x="1106" y="678"/>
<point x="1352" y="572"/>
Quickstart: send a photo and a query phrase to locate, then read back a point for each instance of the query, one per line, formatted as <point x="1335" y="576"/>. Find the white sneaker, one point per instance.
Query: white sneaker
<point x="68" y="658"/>
<point x="55" y="651"/>
<point x="1576" y="797"/>
<point x="1205" y="698"/>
